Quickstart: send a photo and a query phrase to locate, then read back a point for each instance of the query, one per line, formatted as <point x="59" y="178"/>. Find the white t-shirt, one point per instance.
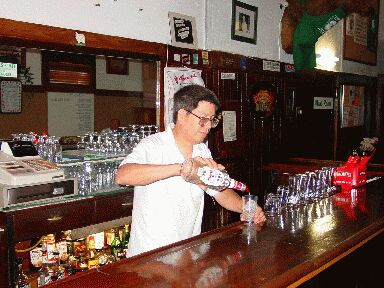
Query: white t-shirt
<point x="168" y="210"/>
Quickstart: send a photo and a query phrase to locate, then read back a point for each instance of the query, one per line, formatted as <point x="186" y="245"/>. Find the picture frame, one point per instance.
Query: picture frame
<point x="183" y="30"/>
<point x="361" y="35"/>
<point x="118" y="66"/>
<point x="244" y="22"/>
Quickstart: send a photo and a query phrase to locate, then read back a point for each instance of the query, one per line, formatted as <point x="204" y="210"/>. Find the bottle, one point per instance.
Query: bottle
<point x="22" y="280"/>
<point x="105" y="256"/>
<point x="62" y="246"/>
<point x="82" y="264"/>
<point x="197" y="173"/>
<point x="93" y="261"/>
<point x="125" y="240"/>
<point x="44" y="276"/>
<point x="116" y="247"/>
<point x="57" y="270"/>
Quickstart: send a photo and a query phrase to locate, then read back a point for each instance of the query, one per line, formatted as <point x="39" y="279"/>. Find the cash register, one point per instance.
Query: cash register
<point x="26" y="177"/>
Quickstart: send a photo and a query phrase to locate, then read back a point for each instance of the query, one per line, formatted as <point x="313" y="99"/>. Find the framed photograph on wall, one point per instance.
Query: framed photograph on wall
<point x="183" y="30"/>
<point x="117" y="66"/>
<point x="244" y="22"/>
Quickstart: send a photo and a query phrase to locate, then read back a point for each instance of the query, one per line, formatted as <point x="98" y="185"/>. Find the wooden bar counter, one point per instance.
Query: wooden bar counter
<point x="290" y="250"/>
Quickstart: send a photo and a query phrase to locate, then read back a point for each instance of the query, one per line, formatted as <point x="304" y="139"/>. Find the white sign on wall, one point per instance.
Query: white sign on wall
<point x="70" y="114"/>
<point x="322" y="103"/>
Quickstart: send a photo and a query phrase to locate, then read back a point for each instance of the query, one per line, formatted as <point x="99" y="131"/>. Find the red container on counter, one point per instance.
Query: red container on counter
<point x="353" y="173"/>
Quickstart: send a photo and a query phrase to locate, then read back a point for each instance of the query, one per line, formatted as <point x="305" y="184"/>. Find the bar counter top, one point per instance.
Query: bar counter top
<point x="288" y="250"/>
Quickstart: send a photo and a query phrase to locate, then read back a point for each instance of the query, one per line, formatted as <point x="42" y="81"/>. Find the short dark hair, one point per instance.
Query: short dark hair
<point x="188" y="98"/>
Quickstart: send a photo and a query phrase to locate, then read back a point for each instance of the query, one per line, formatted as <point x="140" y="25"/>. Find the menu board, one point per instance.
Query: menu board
<point x="10" y="96"/>
<point x="70" y="114"/>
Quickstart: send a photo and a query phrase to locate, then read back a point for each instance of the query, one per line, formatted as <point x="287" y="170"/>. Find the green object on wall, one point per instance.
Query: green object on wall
<point x="306" y="34"/>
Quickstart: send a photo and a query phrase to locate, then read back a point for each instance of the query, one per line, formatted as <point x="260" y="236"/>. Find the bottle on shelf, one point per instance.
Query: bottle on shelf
<point x="125" y="240"/>
<point x="22" y="280"/>
<point x="82" y="264"/>
<point x="198" y="173"/>
<point x="93" y="261"/>
<point x="105" y="257"/>
<point x="57" y="270"/>
<point x="44" y="273"/>
<point x="116" y="246"/>
<point x="62" y="246"/>
<point x="35" y="256"/>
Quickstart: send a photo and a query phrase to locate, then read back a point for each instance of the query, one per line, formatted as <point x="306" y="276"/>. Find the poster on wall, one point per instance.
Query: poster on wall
<point x="229" y="126"/>
<point x="78" y="117"/>
<point x="183" y="30"/>
<point x="352" y="106"/>
<point x="174" y="79"/>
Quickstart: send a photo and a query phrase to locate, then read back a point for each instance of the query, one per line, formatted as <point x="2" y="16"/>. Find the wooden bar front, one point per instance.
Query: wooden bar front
<point x="288" y="251"/>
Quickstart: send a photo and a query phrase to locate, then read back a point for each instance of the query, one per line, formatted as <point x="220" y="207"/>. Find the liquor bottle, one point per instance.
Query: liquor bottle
<point x="116" y="247"/>
<point x="62" y="247"/>
<point x="93" y="261"/>
<point x="105" y="256"/>
<point x="35" y="256"/>
<point x="196" y="172"/>
<point x="109" y="236"/>
<point x="82" y="264"/>
<point x="22" y="280"/>
<point x="57" y="266"/>
<point x="44" y="276"/>
<point x="126" y="240"/>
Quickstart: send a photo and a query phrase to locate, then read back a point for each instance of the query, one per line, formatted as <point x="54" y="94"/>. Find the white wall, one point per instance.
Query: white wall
<point x="148" y="20"/>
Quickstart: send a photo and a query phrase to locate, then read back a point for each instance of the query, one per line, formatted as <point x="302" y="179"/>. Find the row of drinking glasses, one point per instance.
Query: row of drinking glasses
<point x="302" y="189"/>
<point x="294" y="220"/>
<point x="93" y="176"/>
<point x="118" y="142"/>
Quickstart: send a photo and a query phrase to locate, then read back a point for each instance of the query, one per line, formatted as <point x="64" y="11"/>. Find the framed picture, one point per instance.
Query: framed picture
<point x="10" y="96"/>
<point x="183" y="30"/>
<point x="117" y="66"/>
<point x="244" y="22"/>
<point x="361" y="35"/>
<point x="352" y="105"/>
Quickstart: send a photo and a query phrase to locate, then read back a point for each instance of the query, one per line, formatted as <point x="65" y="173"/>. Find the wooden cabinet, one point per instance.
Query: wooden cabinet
<point x="49" y="219"/>
<point x="113" y="207"/>
<point x="25" y="224"/>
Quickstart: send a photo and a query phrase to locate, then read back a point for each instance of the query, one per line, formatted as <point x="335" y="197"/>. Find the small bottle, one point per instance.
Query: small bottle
<point x="22" y="280"/>
<point x="197" y="173"/>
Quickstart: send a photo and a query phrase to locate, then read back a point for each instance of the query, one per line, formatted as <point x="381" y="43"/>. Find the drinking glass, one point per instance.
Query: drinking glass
<point x="272" y="204"/>
<point x="249" y="207"/>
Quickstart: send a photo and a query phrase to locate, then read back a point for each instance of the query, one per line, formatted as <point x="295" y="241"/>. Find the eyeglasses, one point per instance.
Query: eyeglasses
<point x="203" y="120"/>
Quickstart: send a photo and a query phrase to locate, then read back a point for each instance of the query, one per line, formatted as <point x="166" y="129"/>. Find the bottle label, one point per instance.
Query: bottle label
<point x="213" y="177"/>
<point x="36" y="256"/>
<point x="219" y="180"/>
